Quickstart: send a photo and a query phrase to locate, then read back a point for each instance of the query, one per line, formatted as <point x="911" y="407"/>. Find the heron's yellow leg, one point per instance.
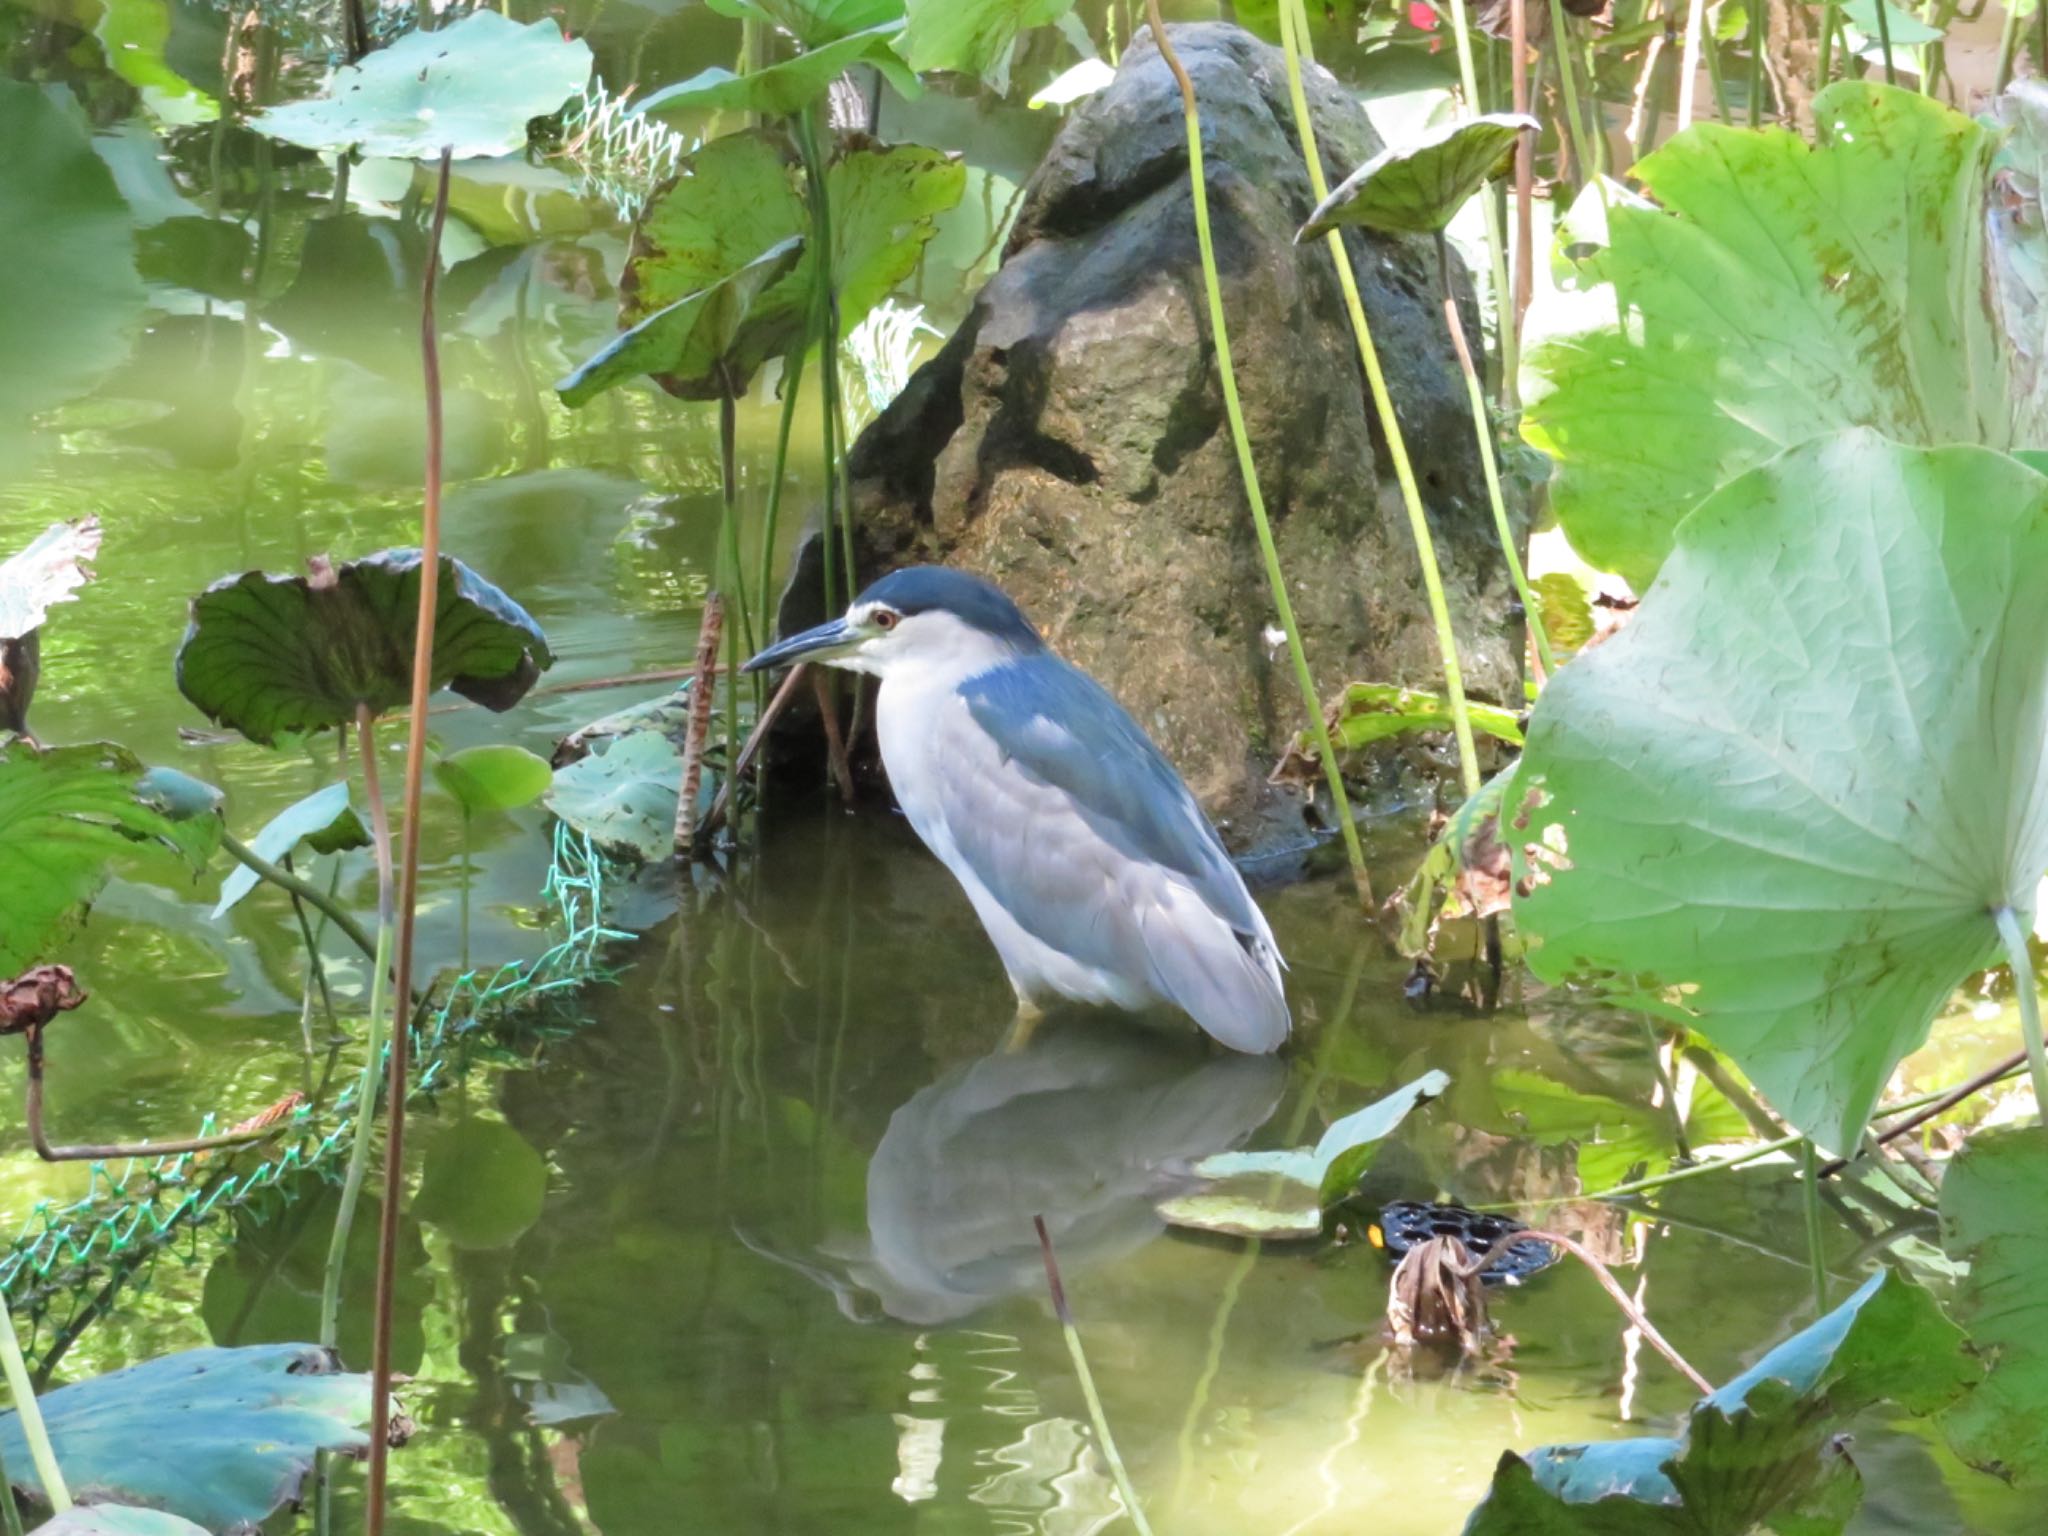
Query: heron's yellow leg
<point x="1028" y="1016"/>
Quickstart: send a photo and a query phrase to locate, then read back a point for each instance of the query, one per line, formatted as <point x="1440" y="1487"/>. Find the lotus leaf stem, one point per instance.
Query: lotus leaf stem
<point x="1525" y="180"/>
<point x="792" y="378"/>
<point x="2030" y="1001"/>
<point x="1294" y="37"/>
<point x="301" y="890"/>
<point x="33" y="1430"/>
<point x="1240" y="437"/>
<point x="1105" y="1441"/>
<point x="1816" y="1256"/>
<point x="1884" y="42"/>
<point x="10" y="1512"/>
<point x="1567" y="79"/>
<point x="1496" y="242"/>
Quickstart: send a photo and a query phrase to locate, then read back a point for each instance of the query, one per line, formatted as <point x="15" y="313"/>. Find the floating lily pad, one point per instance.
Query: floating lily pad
<point x="1417" y="188"/>
<point x="1783" y="805"/>
<point x="471" y="87"/>
<point x="1282" y="1194"/>
<point x="1994" y="1214"/>
<point x="494" y="777"/>
<point x="973" y="37"/>
<point x="1781" y="293"/>
<point x="791" y="85"/>
<point x="50" y="570"/>
<point x="624" y="797"/>
<point x="221" y="1437"/>
<point x="483" y="1184"/>
<point x="1763" y="1449"/>
<point x="67" y="246"/>
<point x="66" y="813"/>
<point x="117" y="1520"/>
<point x="270" y="654"/>
<point x="324" y="821"/>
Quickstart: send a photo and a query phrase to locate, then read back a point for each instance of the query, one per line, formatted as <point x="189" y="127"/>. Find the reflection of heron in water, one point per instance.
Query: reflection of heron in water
<point x="1085" y="1129"/>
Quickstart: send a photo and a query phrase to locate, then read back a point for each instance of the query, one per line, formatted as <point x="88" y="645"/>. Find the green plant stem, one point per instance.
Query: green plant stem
<point x="2030" y="1001"/>
<point x="1240" y="437"/>
<point x="1712" y="53"/>
<point x="1482" y="430"/>
<point x="2008" y="42"/>
<point x="1117" y="1471"/>
<point x="1809" y="1163"/>
<point x="1884" y="43"/>
<point x="792" y="377"/>
<point x="1759" y="33"/>
<point x="1294" y="37"/>
<point x="467" y="819"/>
<point x="312" y="895"/>
<point x="1824" y="59"/>
<point x="10" y="1512"/>
<point x="825" y="333"/>
<point x="729" y="528"/>
<point x="1496" y="241"/>
<point x="1567" y="79"/>
<point x="32" y="1427"/>
<point x="366" y="1092"/>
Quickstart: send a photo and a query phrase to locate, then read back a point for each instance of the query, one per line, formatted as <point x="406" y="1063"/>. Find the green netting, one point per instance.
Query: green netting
<point x="129" y="1216"/>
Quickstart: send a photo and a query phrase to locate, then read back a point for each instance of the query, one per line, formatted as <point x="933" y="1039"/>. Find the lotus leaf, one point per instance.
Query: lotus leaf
<point x="494" y="777"/>
<point x="1788" y="292"/>
<point x="270" y="654"/>
<point x="324" y="821"/>
<point x="220" y="1437"/>
<point x="974" y="37"/>
<point x="791" y="86"/>
<point x="483" y="1184"/>
<point x="470" y="87"/>
<point x="67" y="246"/>
<point x="65" y="814"/>
<point x="812" y="22"/>
<point x="1416" y="188"/>
<point x="1994" y="1213"/>
<point x="1784" y="805"/>
<point x="1762" y="1449"/>
<point x="624" y="797"/>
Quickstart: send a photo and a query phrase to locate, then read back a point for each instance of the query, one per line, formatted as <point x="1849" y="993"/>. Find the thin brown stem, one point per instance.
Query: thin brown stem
<point x="835" y="742"/>
<point x="98" y="1152"/>
<point x="715" y="817"/>
<point x="709" y="628"/>
<point x="409" y="874"/>
<point x="2012" y="1066"/>
<point x="1610" y="1285"/>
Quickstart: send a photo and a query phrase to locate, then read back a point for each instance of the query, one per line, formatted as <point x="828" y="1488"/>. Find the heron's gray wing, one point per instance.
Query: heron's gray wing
<point x="1063" y="729"/>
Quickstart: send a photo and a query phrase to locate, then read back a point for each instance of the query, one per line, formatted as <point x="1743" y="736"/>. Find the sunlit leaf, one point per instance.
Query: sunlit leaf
<point x="1762" y="1449"/>
<point x="1994" y="1214"/>
<point x="221" y="1437"/>
<point x="267" y="654"/>
<point x="1416" y="188"/>
<point x="1905" y="29"/>
<point x="1788" y="292"/>
<point x="973" y="37"/>
<point x="1564" y="611"/>
<point x="1076" y="84"/>
<point x="494" y="777"/>
<point x="472" y="86"/>
<point x="788" y="86"/>
<point x="324" y="820"/>
<point x="624" y="797"/>
<point x="812" y="22"/>
<point x="1282" y="1194"/>
<point x="1783" y="804"/>
<point x="66" y="814"/>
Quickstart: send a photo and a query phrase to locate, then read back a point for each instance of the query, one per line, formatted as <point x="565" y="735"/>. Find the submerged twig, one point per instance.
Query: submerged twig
<point x="1105" y="1441"/>
<point x="1635" y="1314"/>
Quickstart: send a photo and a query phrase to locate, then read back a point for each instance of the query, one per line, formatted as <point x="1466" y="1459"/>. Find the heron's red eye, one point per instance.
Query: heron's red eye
<point x="884" y="619"/>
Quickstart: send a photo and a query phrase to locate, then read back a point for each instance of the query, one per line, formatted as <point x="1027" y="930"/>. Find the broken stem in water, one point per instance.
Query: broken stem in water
<point x="409" y="870"/>
<point x="710" y="627"/>
<point x="1240" y="437"/>
<point x="1105" y="1442"/>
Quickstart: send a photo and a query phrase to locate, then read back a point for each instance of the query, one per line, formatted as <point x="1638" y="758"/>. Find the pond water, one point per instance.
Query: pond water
<point x="775" y="1269"/>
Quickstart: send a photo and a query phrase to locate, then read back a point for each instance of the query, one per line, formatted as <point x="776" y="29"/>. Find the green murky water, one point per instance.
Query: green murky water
<point x="783" y="1277"/>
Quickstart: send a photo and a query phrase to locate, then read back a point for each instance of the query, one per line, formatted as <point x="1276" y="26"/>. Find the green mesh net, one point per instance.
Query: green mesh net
<point x="70" y="1257"/>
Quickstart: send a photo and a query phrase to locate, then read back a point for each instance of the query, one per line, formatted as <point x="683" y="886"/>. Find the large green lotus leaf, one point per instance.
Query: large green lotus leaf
<point x="65" y="814"/>
<point x="268" y="654"/>
<point x="1783" y="804"/>
<point x="974" y="37"/>
<point x="1788" y="292"/>
<point x="324" y="819"/>
<point x="792" y="85"/>
<point x="885" y="208"/>
<point x="470" y="87"/>
<point x="1994" y="1213"/>
<point x="496" y="776"/>
<point x="624" y="797"/>
<point x="117" y="1520"/>
<point x="812" y="22"/>
<point x="1416" y="188"/>
<point x="221" y="1437"/>
<point x="1763" y="1449"/>
<point x="67" y="246"/>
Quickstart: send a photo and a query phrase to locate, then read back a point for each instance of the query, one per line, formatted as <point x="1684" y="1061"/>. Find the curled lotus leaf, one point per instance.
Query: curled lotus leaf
<point x="269" y="655"/>
<point x="1416" y="188"/>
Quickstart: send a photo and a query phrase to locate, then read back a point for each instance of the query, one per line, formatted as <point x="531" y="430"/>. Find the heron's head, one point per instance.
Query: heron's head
<point x="925" y="618"/>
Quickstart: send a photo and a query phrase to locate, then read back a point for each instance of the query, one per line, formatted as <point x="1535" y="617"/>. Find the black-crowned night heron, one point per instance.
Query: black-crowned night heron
<point x="1087" y="860"/>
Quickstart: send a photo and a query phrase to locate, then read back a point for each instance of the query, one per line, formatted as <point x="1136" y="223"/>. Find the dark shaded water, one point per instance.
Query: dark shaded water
<point x="773" y="1268"/>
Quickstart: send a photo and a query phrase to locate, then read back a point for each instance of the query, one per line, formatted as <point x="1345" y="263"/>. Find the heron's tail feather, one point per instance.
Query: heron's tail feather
<point x="1226" y="980"/>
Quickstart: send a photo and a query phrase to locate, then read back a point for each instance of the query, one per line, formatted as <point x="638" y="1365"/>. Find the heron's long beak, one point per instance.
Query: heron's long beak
<point x="832" y="638"/>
